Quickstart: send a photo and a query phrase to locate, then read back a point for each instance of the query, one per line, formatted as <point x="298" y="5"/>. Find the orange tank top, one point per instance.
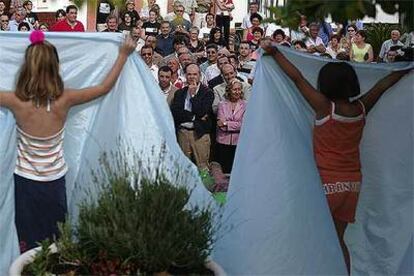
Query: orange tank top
<point x="336" y="142"/>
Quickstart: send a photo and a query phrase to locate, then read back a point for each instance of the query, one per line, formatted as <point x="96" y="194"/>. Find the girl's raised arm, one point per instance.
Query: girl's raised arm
<point x="320" y="104"/>
<point x="8" y="100"/>
<point x="380" y="87"/>
<point x="79" y="96"/>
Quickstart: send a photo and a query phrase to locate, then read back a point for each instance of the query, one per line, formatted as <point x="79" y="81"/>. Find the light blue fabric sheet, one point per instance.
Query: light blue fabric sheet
<point x="135" y="111"/>
<point x="277" y="221"/>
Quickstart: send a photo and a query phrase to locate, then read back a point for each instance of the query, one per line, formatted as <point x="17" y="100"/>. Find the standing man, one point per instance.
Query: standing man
<point x="70" y="24"/>
<point x="191" y="109"/>
<point x="164" y="81"/>
<point x="223" y="16"/>
<point x="31" y="16"/>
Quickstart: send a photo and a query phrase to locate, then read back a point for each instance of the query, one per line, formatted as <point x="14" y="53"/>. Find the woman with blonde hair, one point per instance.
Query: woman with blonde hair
<point x="229" y="122"/>
<point x="40" y="104"/>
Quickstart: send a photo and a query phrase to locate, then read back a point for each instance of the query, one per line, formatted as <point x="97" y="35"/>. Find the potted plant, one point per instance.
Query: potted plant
<point x="137" y="224"/>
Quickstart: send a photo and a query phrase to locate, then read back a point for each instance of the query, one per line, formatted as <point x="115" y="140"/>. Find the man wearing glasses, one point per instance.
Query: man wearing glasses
<point x="147" y="55"/>
<point x="211" y="50"/>
<point x="172" y="15"/>
<point x="179" y="24"/>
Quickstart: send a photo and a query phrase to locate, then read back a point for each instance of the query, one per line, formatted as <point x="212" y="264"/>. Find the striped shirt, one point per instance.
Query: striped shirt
<point x="40" y="158"/>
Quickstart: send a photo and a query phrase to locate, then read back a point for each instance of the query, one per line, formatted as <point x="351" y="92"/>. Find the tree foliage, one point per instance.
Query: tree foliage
<point x="340" y="10"/>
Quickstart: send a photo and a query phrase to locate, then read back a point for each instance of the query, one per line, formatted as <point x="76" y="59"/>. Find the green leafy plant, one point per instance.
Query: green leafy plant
<point x="206" y="178"/>
<point x="140" y="222"/>
<point x="340" y="10"/>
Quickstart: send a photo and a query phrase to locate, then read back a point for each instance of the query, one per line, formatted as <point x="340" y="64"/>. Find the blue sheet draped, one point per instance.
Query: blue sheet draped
<point x="277" y="222"/>
<point x="135" y="112"/>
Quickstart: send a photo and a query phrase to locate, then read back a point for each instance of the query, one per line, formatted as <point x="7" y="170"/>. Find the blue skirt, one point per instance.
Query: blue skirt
<point x="39" y="207"/>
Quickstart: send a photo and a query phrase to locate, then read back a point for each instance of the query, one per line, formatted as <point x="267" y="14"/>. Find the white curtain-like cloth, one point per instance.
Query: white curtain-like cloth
<point x="277" y="221"/>
<point x="135" y="112"/>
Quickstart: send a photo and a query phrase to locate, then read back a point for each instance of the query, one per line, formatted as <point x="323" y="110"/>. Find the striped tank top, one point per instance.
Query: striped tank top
<point x="40" y="158"/>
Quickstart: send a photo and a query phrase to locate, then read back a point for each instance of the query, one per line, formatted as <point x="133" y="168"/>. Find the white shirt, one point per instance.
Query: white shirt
<point x="204" y="30"/>
<point x="212" y="71"/>
<point x="311" y="42"/>
<point x="154" y="71"/>
<point x="332" y="52"/>
<point x="297" y="35"/>
<point x="140" y="44"/>
<point x="14" y="26"/>
<point x="272" y="27"/>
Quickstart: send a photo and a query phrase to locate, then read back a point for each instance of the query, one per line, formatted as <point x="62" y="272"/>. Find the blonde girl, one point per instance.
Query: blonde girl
<point x="40" y="104"/>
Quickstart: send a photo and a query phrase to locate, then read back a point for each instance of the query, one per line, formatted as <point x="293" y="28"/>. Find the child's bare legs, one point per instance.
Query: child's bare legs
<point x="340" y="230"/>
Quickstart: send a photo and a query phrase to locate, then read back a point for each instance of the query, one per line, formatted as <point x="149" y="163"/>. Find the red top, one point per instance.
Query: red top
<point x="63" y="26"/>
<point x="336" y="142"/>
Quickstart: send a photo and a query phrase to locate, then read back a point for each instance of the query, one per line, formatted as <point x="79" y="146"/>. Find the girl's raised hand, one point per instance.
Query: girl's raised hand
<point x="128" y="46"/>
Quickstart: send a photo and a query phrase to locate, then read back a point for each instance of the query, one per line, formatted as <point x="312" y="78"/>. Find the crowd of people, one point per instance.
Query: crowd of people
<point x="204" y="74"/>
<point x="206" y="79"/>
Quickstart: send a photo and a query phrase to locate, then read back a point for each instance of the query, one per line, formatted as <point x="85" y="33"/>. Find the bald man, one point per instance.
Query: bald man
<point x="191" y="110"/>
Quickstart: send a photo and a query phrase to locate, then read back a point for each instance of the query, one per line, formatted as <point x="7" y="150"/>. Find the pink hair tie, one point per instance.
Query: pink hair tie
<point x="37" y="37"/>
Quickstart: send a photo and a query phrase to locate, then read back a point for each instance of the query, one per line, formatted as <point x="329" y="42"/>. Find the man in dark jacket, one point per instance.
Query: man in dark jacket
<point x="192" y="112"/>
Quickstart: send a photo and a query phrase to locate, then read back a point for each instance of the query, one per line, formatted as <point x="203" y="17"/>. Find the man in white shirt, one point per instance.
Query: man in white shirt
<point x="386" y="46"/>
<point x="204" y="33"/>
<point x="147" y="55"/>
<point x="213" y="70"/>
<point x="314" y="43"/>
<point x="19" y="17"/>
